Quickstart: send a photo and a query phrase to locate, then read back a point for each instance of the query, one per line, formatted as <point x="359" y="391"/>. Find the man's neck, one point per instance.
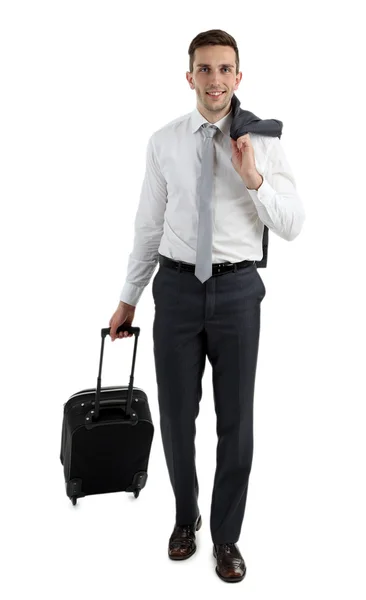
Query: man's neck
<point x="214" y="117"/>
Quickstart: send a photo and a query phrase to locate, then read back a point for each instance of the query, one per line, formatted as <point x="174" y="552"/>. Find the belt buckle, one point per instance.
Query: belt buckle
<point x="222" y="268"/>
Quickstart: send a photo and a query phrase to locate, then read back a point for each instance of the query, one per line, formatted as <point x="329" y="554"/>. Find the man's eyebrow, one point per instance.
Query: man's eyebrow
<point x="222" y="65"/>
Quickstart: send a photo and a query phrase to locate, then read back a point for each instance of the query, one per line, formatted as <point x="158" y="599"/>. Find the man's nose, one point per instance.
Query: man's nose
<point x="215" y="81"/>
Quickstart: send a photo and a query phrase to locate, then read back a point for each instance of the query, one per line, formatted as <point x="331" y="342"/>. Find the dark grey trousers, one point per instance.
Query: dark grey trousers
<point x="221" y="319"/>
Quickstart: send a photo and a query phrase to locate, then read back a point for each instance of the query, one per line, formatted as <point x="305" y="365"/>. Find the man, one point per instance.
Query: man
<point x="218" y="316"/>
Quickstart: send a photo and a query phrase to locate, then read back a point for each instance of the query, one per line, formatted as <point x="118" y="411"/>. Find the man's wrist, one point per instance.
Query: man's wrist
<point x="254" y="182"/>
<point x="126" y="304"/>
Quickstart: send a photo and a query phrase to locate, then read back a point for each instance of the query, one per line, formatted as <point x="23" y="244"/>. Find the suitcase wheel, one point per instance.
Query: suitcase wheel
<point x="138" y="483"/>
<point x="74" y="489"/>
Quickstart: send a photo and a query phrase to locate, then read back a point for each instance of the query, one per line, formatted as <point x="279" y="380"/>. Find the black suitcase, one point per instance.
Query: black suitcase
<point x="106" y="436"/>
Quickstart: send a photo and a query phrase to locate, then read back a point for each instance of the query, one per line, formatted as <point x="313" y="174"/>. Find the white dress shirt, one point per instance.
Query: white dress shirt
<point x="166" y="221"/>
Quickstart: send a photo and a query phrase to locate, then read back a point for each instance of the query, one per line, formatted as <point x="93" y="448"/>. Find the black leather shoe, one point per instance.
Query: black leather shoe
<point x="182" y="542"/>
<point x="230" y="563"/>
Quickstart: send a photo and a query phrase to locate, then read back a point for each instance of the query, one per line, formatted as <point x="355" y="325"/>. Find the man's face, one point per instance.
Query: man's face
<point x="214" y="69"/>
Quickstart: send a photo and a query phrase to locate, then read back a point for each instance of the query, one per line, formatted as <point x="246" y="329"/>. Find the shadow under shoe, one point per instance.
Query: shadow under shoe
<point x="230" y="563"/>
<point x="182" y="542"/>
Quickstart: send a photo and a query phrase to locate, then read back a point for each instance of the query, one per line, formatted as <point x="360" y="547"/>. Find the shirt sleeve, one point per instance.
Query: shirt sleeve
<point x="148" y="226"/>
<point x="277" y="201"/>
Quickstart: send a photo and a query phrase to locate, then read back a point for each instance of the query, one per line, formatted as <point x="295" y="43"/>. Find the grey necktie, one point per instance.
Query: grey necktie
<point x="203" y="268"/>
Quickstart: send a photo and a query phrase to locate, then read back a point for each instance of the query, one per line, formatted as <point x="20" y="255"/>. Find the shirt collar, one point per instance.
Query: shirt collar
<point x="224" y="124"/>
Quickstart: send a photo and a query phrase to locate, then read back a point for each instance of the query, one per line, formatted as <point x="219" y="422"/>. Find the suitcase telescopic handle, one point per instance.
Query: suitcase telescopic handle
<point x="104" y="332"/>
<point x="135" y="330"/>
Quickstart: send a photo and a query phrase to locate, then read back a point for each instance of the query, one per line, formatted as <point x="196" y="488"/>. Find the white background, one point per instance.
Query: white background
<point x="83" y="86"/>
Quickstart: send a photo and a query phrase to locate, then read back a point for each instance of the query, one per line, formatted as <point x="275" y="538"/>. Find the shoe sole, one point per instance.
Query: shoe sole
<point x="199" y="523"/>
<point x="228" y="579"/>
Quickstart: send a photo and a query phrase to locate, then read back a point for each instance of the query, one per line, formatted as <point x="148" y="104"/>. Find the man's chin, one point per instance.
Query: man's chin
<point x="216" y="105"/>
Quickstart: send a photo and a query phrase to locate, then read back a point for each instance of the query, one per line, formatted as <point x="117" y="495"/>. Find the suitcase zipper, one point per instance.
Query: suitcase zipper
<point x="91" y="390"/>
<point x="112" y="389"/>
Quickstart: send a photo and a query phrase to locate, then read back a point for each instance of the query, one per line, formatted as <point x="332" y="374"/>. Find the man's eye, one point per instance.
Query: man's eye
<point x="222" y="67"/>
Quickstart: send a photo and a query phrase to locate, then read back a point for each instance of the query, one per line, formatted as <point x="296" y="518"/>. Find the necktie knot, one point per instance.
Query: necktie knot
<point x="209" y="130"/>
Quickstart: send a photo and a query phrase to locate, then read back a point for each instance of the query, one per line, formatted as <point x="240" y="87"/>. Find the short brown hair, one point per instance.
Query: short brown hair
<point x="212" y="37"/>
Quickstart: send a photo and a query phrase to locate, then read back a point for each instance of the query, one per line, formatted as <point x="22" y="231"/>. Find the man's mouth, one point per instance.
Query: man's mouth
<point x="215" y="94"/>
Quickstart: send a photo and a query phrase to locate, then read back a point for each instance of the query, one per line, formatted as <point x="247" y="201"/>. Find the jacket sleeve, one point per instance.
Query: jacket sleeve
<point x="277" y="201"/>
<point x="148" y="226"/>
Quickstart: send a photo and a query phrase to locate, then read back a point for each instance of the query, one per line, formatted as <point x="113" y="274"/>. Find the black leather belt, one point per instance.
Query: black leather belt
<point x="217" y="268"/>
